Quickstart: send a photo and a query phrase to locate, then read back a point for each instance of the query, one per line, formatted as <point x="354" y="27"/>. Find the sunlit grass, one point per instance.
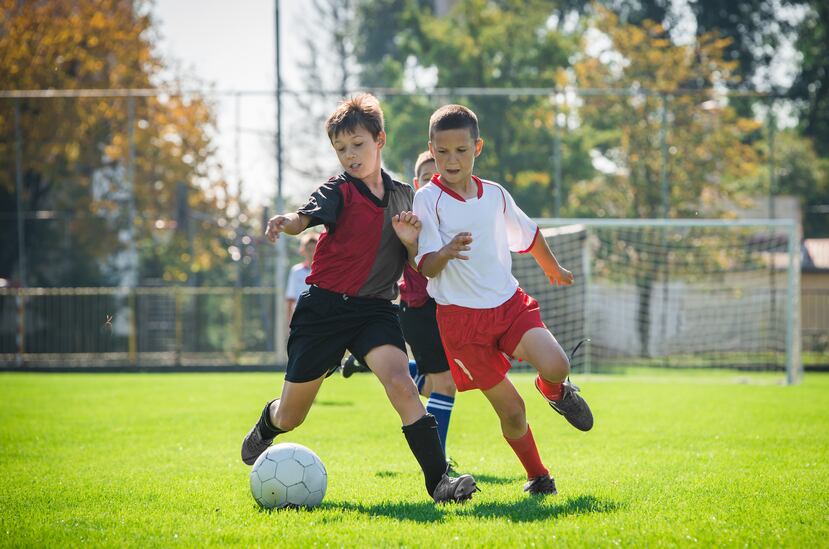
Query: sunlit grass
<point x="152" y="460"/>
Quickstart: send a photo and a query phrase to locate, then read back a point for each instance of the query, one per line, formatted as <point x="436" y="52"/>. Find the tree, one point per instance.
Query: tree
<point x="700" y="125"/>
<point x="811" y="86"/>
<point x="76" y="154"/>
<point x="327" y="65"/>
<point x="637" y="129"/>
<point x="479" y="44"/>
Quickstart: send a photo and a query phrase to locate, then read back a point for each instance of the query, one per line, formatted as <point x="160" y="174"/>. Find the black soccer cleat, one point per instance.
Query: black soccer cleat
<point x="454" y="489"/>
<point x="541" y="486"/>
<point x="254" y="443"/>
<point x="571" y="405"/>
<point x="351" y="366"/>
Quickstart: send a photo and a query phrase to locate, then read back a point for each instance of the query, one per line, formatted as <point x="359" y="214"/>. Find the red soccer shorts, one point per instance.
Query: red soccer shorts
<point x="475" y="340"/>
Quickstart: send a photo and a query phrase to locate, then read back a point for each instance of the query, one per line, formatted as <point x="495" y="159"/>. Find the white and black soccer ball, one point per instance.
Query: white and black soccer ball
<point x="288" y="475"/>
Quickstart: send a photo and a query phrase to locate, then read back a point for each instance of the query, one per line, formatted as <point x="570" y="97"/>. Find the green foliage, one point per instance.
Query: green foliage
<point x="152" y="461"/>
<point x="800" y="172"/>
<point x="811" y="87"/>
<point x="699" y="128"/>
<point x="479" y="44"/>
<point x="75" y="152"/>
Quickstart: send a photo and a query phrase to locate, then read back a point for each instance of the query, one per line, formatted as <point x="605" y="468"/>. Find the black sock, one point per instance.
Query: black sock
<point x="423" y="439"/>
<point x="264" y="424"/>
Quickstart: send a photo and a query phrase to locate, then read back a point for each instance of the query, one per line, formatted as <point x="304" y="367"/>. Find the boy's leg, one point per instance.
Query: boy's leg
<point x="280" y="416"/>
<point x="390" y="365"/>
<point x="431" y="369"/>
<point x="541" y="349"/>
<point x="509" y="406"/>
<point x="441" y="402"/>
<point x="421" y="381"/>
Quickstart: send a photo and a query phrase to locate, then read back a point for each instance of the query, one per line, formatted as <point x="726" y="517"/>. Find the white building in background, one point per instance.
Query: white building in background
<point x="443" y="7"/>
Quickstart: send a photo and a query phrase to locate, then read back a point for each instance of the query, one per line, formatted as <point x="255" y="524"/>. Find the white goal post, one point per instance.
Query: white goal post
<point x="678" y="293"/>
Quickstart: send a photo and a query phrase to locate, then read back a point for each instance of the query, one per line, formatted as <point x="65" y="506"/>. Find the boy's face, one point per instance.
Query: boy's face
<point x="358" y="152"/>
<point x="455" y="152"/>
<point x="307" y="251"/>
<point x="424" y="173"/>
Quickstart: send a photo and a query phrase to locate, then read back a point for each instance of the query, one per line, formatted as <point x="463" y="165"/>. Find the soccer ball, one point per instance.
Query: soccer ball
<point x="288" y="475"/>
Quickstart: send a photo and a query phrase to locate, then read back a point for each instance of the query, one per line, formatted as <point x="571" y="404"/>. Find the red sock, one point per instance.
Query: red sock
<point x="524" y="447"/>
<point x="549" y="390"/>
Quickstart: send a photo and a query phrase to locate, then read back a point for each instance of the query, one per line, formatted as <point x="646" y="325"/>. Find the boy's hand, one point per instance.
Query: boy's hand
<point x="560" y="276"/>
<point x="459" y="244"/>
<point x="407" y="227"/>
<point x="276" y="225"/>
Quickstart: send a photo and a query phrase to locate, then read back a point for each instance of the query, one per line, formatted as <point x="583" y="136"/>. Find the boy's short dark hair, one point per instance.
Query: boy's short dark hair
<point x="454" y="117"/>
<point x="422" y="158"/>
<point x="361" y="110"/>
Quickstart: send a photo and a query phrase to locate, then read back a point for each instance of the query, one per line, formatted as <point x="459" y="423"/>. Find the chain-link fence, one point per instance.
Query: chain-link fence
<point x="161" y="195"/>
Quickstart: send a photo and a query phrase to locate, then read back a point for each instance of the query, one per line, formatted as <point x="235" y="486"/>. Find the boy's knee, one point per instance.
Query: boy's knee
<point x="557" y="369"/>
<point x="515" y="414"/>
<point x="401" y="386"/>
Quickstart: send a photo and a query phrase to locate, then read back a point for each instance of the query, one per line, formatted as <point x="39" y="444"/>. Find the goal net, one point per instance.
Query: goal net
<point x="673" y="293"/>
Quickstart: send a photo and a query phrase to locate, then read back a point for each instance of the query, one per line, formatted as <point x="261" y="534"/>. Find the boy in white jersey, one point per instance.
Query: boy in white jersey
<point x="470" y="226"/>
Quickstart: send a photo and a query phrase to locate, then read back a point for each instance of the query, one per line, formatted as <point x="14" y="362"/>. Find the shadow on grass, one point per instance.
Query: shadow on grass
<point x="334" y="403"/>
<point x="529" y="510"/>
<point x="386" y="474"/>
<point x="535" y="508"/>
<point x="492" y="479"/>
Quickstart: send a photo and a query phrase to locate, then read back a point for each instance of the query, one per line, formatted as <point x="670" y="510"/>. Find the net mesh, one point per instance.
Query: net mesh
<point x="668" y="295"/>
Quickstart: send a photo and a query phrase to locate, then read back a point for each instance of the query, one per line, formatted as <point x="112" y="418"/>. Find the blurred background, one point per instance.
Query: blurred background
<point x="144" y="144"/>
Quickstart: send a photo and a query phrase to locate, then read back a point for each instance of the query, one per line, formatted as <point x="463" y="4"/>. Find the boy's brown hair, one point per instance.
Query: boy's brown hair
<point x="361" y="110"/>
<point x="424" y="157"/>
<point x="454" y="117"/>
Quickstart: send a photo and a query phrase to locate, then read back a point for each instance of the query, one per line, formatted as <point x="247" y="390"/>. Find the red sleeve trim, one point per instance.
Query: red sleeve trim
<point x="537" y="232"/>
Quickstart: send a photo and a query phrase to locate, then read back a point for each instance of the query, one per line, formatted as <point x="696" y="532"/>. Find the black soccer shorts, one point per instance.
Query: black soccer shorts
<point x="420" y="327"/>
<point x="325" y="324"/>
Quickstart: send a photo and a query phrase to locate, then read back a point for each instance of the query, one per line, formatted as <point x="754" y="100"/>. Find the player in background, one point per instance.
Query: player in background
<point x="299" y="272"/>
<point x="429" y="369"/>
<point x="470" y="226"/>
<point x="370" y="234"/>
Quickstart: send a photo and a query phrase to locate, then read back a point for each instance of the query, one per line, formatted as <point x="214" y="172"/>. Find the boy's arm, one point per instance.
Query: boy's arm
<point x="433" y="263"/>
<point x="407" y="227"/>
<point x="290" y="223"/>
<point x="545" y="258"/>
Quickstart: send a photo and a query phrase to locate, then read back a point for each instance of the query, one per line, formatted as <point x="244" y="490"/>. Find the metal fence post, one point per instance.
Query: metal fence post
<point x="179" y="325"/>
<point x="132" y="339"/>
<point x="21" y="235"/>
<point x="556" y="161"/>
<point x="663" y="165"/>
<point x="237" y="324"/>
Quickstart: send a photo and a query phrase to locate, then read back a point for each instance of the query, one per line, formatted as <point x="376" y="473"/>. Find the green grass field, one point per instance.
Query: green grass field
<point x="674" y="459"/>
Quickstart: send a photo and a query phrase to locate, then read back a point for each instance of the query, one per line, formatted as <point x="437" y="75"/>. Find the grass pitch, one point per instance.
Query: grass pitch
<point x="153" y="460"/>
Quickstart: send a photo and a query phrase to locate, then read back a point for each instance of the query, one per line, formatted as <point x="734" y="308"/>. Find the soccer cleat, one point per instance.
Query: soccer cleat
<point x="541" y="486"/>
<point x="450" y="467"/>
<point x="254" y="443"/>
<point x="574" y="409"/>
<point x="454" y="489"/>
<point x="352" y="366"/>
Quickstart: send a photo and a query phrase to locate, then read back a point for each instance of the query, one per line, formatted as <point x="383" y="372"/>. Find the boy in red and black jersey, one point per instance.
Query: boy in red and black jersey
<point x="370" y="234"/>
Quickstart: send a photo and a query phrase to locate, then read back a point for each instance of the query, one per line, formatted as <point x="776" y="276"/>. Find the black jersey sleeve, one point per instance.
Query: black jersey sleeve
<point x="325" y="205"/>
